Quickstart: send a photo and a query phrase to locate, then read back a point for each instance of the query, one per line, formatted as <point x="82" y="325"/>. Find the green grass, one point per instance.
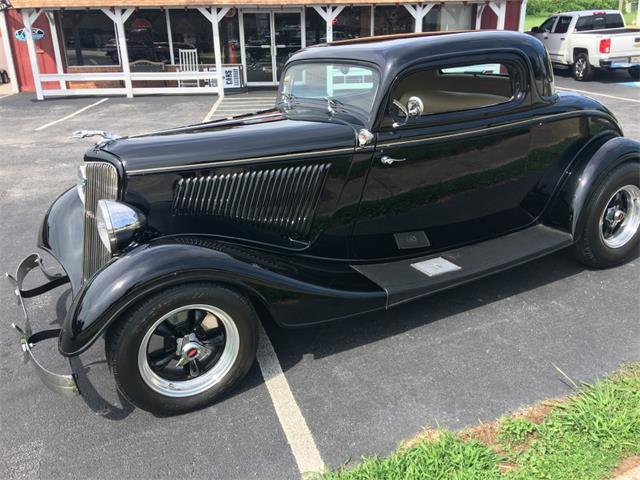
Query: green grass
<point x="584" y="438"/>
<point x="531" y="21"/>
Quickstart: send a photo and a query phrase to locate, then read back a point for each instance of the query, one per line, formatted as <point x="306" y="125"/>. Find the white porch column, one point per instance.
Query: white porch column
<point x="56" y="46"/>
<point x="329" y="14"/>
<point x="119" y="16"/>
<point x="479" y="11"/>
<point x="500" y="9"/>
<point x="167" y="18"/>
<point x="523" y="13"/>
<point x="4" y="31"/>
<point x="214" y="15"/>
<point x="29" y="16"/>
<point x="418" y="11"/>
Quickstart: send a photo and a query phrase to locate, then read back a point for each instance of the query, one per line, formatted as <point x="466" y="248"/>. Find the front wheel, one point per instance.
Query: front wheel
<point x="611" y="233"/>
<point x="582" y="70"/>
<point x="183" y="348"/>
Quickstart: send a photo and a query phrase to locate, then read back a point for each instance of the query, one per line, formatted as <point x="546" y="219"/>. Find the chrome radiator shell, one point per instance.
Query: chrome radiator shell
<point x="101" y="183"/>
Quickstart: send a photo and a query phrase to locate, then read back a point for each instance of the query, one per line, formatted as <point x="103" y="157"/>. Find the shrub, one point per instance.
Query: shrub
<point x="541" y="8"/>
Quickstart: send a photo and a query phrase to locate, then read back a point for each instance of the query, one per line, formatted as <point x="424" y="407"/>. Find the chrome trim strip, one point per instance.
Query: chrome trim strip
<point x="490" y="129"/>
<point x="241" y="161"/>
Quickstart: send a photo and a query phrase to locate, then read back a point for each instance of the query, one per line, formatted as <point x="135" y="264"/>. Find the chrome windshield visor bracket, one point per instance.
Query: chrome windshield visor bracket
<point x="65" y="385"/>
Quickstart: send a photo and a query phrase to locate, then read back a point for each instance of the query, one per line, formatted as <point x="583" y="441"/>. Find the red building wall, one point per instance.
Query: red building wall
<point x="512" y="18"/>
<point x="44" y="51"/>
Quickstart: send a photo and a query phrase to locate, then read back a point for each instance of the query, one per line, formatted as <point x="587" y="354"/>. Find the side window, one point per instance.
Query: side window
<point x="614" y="20"/>
<point x="547" y="25"/>
<point x="584" y="23"/>
<point x="454" y="89"/>
<point x="563" y="25"/>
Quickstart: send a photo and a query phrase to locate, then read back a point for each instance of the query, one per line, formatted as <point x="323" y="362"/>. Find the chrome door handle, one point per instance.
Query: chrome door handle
<point x="387" y="160"/>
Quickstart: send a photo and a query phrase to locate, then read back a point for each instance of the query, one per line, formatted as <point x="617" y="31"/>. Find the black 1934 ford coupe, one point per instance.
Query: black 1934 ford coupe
<point x="390" y="168"/>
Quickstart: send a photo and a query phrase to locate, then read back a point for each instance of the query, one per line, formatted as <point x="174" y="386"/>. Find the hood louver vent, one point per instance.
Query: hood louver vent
<point x="279" y="199"/>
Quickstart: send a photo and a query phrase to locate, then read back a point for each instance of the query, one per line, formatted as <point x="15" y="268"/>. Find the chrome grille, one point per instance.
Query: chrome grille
<point x="279" y="199"/>
<point x="101" y="183"/>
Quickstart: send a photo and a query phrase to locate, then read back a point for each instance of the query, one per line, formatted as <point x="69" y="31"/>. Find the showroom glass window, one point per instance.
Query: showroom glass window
<point x="392" y="19"/>
<point x="230" y="37"/>
<point x="147" y="39"/>
<point x="89" y="38"/>
<point x="353" y="22"/>
<point x="455" y="17"/>
<point x="191" y="30"/>
<point x="316" y="27"/>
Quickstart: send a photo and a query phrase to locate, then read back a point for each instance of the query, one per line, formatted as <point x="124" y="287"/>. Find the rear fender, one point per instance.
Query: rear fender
<point x="568" y="207"/>
<point x="282" y="287"/>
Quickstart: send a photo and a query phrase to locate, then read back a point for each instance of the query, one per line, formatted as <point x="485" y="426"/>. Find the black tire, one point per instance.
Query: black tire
<point x="590" y="247"/>
<point x="123" y="343"/>
<point x="581" y="68"/>
<point x="635" y="73"/>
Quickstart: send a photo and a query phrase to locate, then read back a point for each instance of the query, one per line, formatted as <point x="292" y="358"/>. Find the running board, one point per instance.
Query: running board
<point x="406" y="280"/>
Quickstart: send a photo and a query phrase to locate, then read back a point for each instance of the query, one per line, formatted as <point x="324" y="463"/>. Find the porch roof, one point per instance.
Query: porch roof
<point x="200" y="3"/>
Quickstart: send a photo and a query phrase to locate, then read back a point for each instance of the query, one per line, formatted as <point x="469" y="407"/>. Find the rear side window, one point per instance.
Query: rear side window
<point x="614" y="20"/>
<point x="563" y="25"/>
<point x="455" y="89"/>
<point x="584" y="23"/>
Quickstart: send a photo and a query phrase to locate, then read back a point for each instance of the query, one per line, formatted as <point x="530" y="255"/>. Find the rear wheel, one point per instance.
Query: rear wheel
<point x="635" y="73"/>
<point x="183" y="348"/>
<point x="611" y="232"/>
<point x="582" y="70"/>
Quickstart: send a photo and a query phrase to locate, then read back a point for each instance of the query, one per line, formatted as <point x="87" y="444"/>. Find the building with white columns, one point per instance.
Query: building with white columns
<point x="131" y="47"/>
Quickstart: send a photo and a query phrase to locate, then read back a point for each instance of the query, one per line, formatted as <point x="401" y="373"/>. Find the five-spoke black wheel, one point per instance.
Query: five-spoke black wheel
<point x="183" y="347"/>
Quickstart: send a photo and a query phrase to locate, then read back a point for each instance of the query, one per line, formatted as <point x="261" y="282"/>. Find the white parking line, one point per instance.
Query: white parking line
<point x="293" y="424"/>
<point x="587" y="92"/>
<point x="214" y="107"/>
<point x="5" y="96"/>
<point x="71" y="115"/>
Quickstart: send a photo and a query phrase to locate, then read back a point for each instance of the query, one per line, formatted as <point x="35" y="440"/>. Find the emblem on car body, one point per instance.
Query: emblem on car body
<point x="95" y="133"/>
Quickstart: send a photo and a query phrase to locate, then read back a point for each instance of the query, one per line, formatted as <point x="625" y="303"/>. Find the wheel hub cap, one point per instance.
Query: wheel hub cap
<point x="621" y="218"/>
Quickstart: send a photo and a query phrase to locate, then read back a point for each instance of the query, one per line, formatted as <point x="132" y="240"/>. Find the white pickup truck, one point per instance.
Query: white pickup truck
<point x="591" y="39"/>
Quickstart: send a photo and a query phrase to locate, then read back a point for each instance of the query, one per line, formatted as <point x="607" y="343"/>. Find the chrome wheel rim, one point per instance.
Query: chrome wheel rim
<point x="621" y="217"/>
<point x="188" y="350"/>
<point x="581" y="66"/>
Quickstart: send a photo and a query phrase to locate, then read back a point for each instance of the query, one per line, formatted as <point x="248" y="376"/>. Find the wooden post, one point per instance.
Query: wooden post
<point x="29" y="16"/>
<point x="119" y="16"/>
<point x="56" y="46"/>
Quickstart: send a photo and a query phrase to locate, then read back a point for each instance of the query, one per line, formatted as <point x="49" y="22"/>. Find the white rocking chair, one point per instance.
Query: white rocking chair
<point x="188" y="63"/>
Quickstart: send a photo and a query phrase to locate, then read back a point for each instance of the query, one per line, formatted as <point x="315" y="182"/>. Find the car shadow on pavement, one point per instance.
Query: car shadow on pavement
<point x="332" y="338"/>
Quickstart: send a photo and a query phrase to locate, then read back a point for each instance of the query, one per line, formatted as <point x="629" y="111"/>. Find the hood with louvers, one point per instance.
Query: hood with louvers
<point x="283" y="199"/>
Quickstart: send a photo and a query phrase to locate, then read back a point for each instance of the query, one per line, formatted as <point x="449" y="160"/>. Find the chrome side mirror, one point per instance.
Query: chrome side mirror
<point x="414" y="108"/>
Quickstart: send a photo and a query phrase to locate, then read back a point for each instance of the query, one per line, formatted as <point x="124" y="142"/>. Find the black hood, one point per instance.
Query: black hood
<point x="252" y="136"/>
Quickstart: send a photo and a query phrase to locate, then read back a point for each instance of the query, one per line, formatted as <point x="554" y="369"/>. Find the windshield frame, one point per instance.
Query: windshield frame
<point x="321" y="103"/>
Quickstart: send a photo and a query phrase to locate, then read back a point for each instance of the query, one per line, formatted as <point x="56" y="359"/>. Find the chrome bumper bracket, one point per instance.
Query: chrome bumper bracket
<point x="65" y="385"/>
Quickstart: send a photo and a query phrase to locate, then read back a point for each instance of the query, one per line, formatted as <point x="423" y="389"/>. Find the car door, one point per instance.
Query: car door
<point x="544" y="30"/>
<point x="556" y="39"/>
<point x="455" y="174"/>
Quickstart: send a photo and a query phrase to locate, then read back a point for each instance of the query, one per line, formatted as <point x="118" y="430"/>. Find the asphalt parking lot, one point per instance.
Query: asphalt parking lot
<point x="362" y="386"/>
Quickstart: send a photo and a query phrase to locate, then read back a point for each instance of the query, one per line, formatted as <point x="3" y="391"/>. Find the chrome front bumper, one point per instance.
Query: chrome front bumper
<point x="66" y="385"/>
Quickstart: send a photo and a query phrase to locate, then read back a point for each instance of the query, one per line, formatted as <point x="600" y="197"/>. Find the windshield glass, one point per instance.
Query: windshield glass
<point x="334" y="85"/>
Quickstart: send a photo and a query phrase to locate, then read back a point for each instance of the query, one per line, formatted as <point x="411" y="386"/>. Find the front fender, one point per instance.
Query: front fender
<point x="567" y="210"/>
<point x="294" y="291"/>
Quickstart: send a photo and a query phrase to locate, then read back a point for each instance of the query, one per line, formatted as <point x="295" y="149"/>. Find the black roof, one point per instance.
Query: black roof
<point x="393" y="53"/>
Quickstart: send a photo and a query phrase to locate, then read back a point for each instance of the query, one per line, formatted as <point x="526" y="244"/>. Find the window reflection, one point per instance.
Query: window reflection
<point x="393" y="19"/>
<point x="88" y="38"/>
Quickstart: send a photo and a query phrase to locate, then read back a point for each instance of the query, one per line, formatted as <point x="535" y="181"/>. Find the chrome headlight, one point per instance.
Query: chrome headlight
<point x="82" y="181"/>
<point x="118" y="224"/>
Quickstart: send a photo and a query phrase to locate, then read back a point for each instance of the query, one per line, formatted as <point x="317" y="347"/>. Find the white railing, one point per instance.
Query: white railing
<point x="209" y="86"/>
